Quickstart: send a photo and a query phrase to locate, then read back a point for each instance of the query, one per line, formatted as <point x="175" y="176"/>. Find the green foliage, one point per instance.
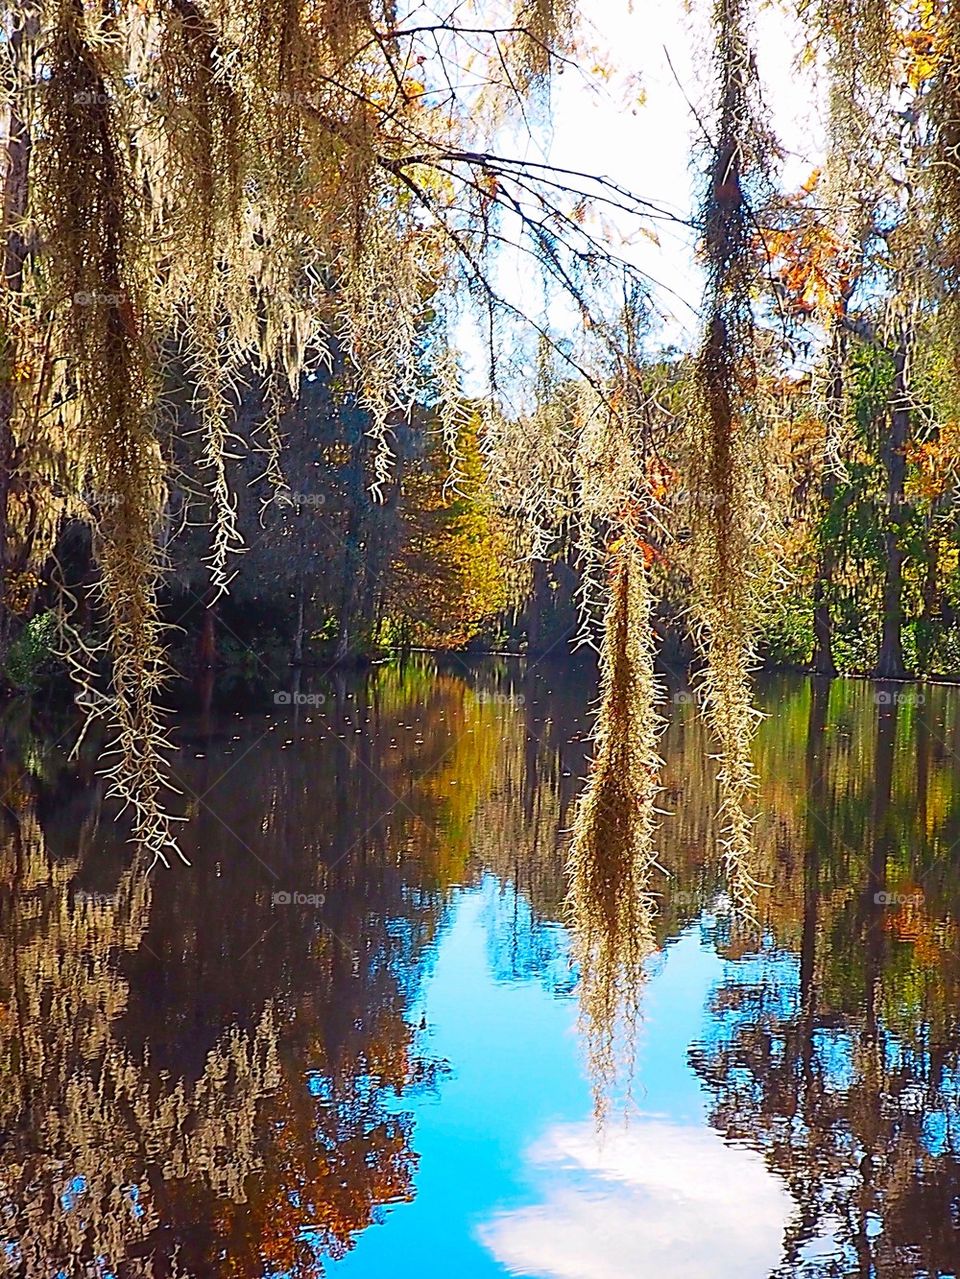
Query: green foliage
<point x="31" y="655"/>
<point x="871" y="376"/>
<point x="449" y="578"/>
<point x="785" y="636"/>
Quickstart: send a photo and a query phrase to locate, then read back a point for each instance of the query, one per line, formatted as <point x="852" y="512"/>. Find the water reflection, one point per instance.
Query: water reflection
<point x="358" y="1006"/>
<point x="834" y="1048"/>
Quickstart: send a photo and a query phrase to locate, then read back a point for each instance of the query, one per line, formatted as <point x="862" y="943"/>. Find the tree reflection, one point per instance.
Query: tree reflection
<point x="88" y="1128"/>
<point x="206" y="1078"/>
<point x="201" y="1078"/>
<point x="839" y="1058"/>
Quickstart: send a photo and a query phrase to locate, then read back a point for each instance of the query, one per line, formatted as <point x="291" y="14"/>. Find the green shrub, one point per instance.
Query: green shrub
<point x="32" y="654"/>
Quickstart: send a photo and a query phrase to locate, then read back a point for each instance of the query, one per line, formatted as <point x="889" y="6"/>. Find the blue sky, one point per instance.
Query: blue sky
<point x="513" y="1177"/>
<point x="648" y="148"/>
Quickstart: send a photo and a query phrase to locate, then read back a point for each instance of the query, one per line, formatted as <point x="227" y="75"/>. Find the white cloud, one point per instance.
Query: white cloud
<point x="656" y="1199"/>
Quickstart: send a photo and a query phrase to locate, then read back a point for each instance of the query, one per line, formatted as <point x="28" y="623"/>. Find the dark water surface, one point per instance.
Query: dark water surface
<point x="345" y="1041"/>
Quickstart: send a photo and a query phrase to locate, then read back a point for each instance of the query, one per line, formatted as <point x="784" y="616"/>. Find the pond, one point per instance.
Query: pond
<point x="346" y="1041"/>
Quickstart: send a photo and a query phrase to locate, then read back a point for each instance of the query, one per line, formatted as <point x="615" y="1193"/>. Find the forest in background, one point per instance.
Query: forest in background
<point x="329" y="569"/>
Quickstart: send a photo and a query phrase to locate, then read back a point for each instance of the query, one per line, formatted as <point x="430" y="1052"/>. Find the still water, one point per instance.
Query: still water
<point x="345" y="1041"/>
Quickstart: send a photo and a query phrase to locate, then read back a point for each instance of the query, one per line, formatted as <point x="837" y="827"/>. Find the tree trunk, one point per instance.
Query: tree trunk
<point x="347" y="600"/>
<point x="823" y="660"/>
<point x="537" y="606"/>
<point x="358" y="499"/>
<point x="890" y="663"/>
<point x="931" y="595"/>
<point x="297" y="654"/>
<point x="16" y="170"/>
<point x="816" y="827"/>
<point x="207" y="639"/>
<point x="923" y="770"/>
<point x="823" y="663"/>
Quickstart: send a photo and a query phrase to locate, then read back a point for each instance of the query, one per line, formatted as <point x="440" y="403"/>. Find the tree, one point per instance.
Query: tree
<point x="453" y="566"/>
<point x="316" y="172"/>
